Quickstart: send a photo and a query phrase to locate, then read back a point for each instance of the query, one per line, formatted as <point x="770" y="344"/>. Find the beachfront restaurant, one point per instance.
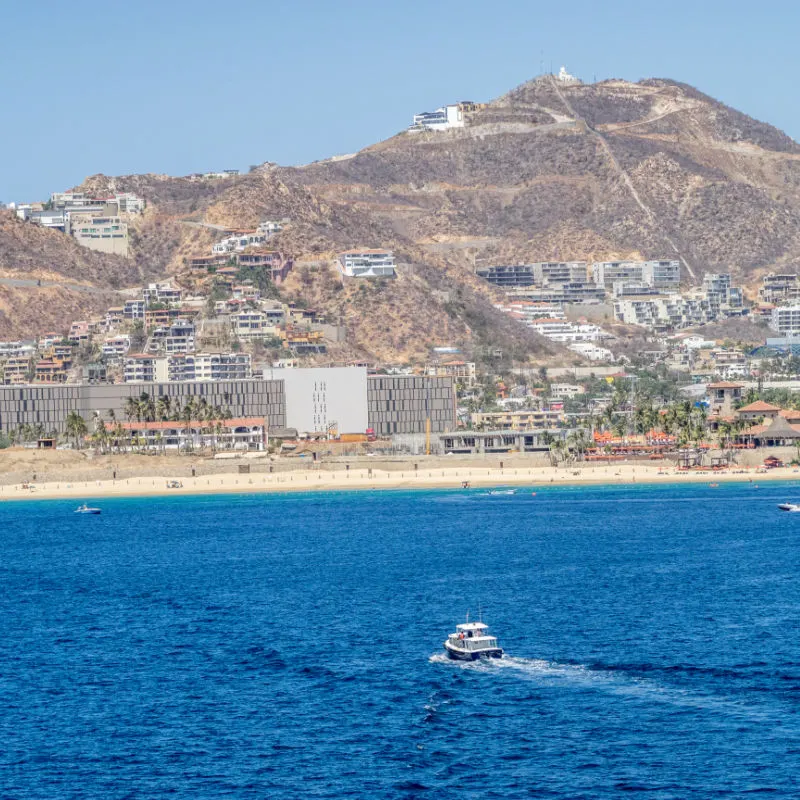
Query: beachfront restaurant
<point x="779" y="432"/>
<point x="246" y="433"/>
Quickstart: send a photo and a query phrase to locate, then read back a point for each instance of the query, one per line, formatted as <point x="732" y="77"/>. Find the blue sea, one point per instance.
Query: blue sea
<point x="290" y="646"/>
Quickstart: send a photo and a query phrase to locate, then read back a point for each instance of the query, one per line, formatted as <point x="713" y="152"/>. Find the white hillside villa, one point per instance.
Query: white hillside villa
<point x="366" y="263"/>
<point x="442" y="119"/>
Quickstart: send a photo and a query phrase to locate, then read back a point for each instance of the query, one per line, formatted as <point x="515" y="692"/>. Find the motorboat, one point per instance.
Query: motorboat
<point x="789" y="507"/>
<point x="472" y="641"/>
<point x="84" y="509"/>
<point x="502" y="492"/>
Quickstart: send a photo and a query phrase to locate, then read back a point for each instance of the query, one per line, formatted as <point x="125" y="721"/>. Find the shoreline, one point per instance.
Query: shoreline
<point x="371" y="479"/>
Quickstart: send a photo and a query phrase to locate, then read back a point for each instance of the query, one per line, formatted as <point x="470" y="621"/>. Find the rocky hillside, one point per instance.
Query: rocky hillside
<point x="548" y="171"/>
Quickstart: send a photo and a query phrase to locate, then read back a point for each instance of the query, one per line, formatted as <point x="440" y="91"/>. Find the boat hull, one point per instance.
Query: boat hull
<point x="472" y="655"/>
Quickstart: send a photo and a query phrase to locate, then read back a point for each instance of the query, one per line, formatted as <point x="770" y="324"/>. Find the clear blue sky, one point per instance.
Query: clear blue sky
<point x="180" y="86"/>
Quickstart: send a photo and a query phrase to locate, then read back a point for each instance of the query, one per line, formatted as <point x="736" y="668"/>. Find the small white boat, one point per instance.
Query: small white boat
<point x="789" y="507"/>
<point x="84" y="509"/>
<point x="472" y="641"/>
<point x="495" y="492"/>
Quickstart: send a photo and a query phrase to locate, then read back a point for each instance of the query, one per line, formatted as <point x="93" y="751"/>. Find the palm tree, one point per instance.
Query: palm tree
<point x="131" y="408"/>
<point x="76" y="427"/>
<point x="187" y="415"/>
<point x="162" y="409"/>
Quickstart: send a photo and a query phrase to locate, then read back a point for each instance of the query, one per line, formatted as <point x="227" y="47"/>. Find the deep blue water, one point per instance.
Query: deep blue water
<point x="290" y="645"/>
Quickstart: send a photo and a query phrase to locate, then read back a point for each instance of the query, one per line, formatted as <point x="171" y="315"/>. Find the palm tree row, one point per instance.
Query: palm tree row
<point x="164" y="409"/>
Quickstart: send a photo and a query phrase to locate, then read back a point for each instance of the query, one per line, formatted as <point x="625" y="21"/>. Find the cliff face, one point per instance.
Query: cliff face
<point x="548" y="171"/>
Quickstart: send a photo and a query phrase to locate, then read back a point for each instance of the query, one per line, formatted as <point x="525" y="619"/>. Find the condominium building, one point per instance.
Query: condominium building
<point x="508" y="276"/>
<point x="252" y="325"/>
<point x="239" y="241"/>
<point x="723" y="298"/>
<point x="161" y="293"/>
<point x="367" y="263"/>
<point x="517" y="420"/>
<point x="785" y="319"/>
<point x="178" y="337"/>
<point x="559" y="330"/>
<point x="107" y="234"/>
<point x="16" y="370"/>
<point x="134" y="309"/>
<point x="658" y="274"/>
<point x="664" y="312"/>
<point x="145" y="368"/>
<point x="51" y="370"/>
<point x="116" y="347"/>
<point x="780" y="288"/>
<point x="462" y="372"/>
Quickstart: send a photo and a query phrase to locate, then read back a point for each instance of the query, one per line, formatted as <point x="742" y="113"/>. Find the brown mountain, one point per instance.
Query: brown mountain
<point x="548" y="171"/>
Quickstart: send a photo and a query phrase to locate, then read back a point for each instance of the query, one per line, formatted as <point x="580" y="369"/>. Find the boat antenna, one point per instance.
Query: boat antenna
<point x="467" y="615"/>
<point x="480" y="613"/>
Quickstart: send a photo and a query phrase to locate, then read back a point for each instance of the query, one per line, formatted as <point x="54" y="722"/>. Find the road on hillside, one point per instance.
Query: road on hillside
<point x="30" y="283"/>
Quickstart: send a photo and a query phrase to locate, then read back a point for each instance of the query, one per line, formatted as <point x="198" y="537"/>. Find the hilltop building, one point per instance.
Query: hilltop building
<point x="564" y="77"/>
<point x="444" y="118"/>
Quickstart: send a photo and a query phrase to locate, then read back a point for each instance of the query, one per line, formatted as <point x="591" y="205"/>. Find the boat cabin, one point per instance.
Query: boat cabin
<point x="473" y="636"/>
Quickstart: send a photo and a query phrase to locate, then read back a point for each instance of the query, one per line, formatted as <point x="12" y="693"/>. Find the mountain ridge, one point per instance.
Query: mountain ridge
<point x="654" y="169"/>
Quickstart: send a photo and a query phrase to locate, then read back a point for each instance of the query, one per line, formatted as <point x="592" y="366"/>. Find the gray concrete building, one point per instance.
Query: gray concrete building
<point x="324" y="398"/>
<point x="49" y="405"/>
<point x="306" y="399"/>
<point x="400" y="404"/>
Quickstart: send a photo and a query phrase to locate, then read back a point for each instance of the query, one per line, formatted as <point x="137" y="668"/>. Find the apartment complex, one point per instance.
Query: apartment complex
<point x="183" y="366"/>
<point x="657" y="274"/>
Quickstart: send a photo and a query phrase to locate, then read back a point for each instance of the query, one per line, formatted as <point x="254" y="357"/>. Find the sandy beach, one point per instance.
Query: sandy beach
<point x="424" y="478"/>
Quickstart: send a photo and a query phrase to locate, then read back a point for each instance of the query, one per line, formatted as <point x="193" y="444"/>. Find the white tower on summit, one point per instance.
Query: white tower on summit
<point x="564" y="76"/>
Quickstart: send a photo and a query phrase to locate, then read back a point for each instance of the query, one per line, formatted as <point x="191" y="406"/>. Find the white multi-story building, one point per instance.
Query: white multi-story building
<point x="116" y="347"/>
<point x="246" y="291"/>
<point x="239" y="242"/>
<point x="221" y="366"/>
<point x="142" y="368"/>
<point x="658" y="274"/>
<point x="161" y="293"/>
<point x="442" y="119"/>
<point x="529" y="311"/>
<point x="269" y="227"/>
<point x="129" y="203"/>
<point x="663" y="312"/>
<point x="785" y="319"/>
<point x="724" y="299"/>
<point x="179" y="337"/>
<point x="591" y="351"/>
<point x="248" y="325"/>
<point x="134" y="309"/>
<point x="565" y="391"/>
<point x="367" y="263"/>
<point x="561" y="331"/>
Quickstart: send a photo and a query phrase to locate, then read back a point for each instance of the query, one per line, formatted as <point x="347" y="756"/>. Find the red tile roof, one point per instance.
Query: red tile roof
<point x="759" y="405"/>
